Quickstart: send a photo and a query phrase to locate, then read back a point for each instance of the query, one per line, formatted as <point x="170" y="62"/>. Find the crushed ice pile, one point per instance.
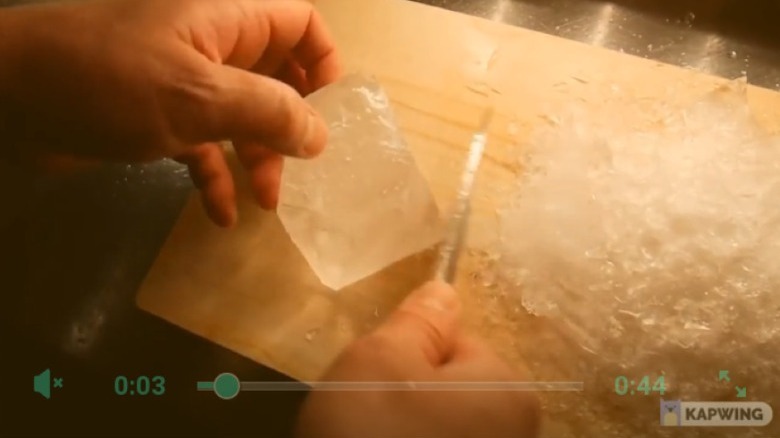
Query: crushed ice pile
<point x="646" y="228"/>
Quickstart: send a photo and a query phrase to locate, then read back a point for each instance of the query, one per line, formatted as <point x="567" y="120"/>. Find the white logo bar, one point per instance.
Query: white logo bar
<point x="708" y="414"/>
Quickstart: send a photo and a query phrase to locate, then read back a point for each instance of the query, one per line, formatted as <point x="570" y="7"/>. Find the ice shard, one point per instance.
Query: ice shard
<point x="363" y="204"/>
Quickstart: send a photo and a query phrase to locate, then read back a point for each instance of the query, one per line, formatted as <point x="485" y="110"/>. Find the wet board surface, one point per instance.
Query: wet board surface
<point x="249" y="289"/>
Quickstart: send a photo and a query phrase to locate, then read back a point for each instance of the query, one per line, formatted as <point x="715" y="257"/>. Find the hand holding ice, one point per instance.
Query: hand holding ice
<point x="363" y="204"/>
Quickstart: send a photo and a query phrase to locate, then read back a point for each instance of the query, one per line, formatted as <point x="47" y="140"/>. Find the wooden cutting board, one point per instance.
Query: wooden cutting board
<point x="249" y="290"/>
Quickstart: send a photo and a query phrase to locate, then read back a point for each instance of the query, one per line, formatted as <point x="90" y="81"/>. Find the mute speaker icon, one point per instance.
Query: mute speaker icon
<point x="42" y="383"/>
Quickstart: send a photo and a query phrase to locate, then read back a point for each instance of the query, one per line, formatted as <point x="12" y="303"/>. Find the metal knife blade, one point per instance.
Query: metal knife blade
<point x="449" y="251"/>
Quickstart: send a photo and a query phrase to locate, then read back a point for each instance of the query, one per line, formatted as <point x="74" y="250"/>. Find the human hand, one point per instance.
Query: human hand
<point x="420" y="342"/>
<point x="140" y="80"/>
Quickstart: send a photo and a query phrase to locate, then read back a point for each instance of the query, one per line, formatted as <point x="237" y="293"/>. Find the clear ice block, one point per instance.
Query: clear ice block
<point x="363" y="204"/>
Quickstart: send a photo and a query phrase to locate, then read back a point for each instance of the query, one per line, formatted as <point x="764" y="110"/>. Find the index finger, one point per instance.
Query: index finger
<point x="316" y="53"/>
<point x="426" y="323"/>
<point x="283" y="28"/>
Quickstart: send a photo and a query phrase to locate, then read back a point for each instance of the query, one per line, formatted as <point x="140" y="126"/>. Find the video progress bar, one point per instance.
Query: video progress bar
<point x="227" y="386"/>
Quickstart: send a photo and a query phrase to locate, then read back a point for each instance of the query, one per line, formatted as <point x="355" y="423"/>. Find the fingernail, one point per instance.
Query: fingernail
<point x="315" y="135"/>
<point x="437" y="296"/>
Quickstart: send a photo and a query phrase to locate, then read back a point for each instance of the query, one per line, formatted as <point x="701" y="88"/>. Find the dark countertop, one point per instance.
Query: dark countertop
<point x="75" y="251"/>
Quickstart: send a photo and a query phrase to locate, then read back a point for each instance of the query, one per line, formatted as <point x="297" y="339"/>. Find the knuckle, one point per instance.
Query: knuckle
<point x="191" y="107"/>
<point x="425" y="327"/>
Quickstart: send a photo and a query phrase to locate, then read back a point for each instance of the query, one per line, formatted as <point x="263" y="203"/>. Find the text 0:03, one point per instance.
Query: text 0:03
<point x="142" y="385"/>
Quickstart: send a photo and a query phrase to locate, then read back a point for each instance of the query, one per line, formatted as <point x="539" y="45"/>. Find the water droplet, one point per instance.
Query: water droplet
<point x="733" y="55"/>
<point x="376" y="312"/>
<point x="348" y="159"/>
<point x="650" y="47"/>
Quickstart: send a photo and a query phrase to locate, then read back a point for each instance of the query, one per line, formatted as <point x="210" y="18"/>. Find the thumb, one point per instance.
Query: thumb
<point x="249" y="107"/>
<point x="426" y="323"/>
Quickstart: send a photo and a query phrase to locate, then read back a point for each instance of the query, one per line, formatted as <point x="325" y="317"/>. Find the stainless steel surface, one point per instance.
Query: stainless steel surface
<point x="727" y="38"/>
<point x="74" y="250"/>
<point x="450" y="249"/>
